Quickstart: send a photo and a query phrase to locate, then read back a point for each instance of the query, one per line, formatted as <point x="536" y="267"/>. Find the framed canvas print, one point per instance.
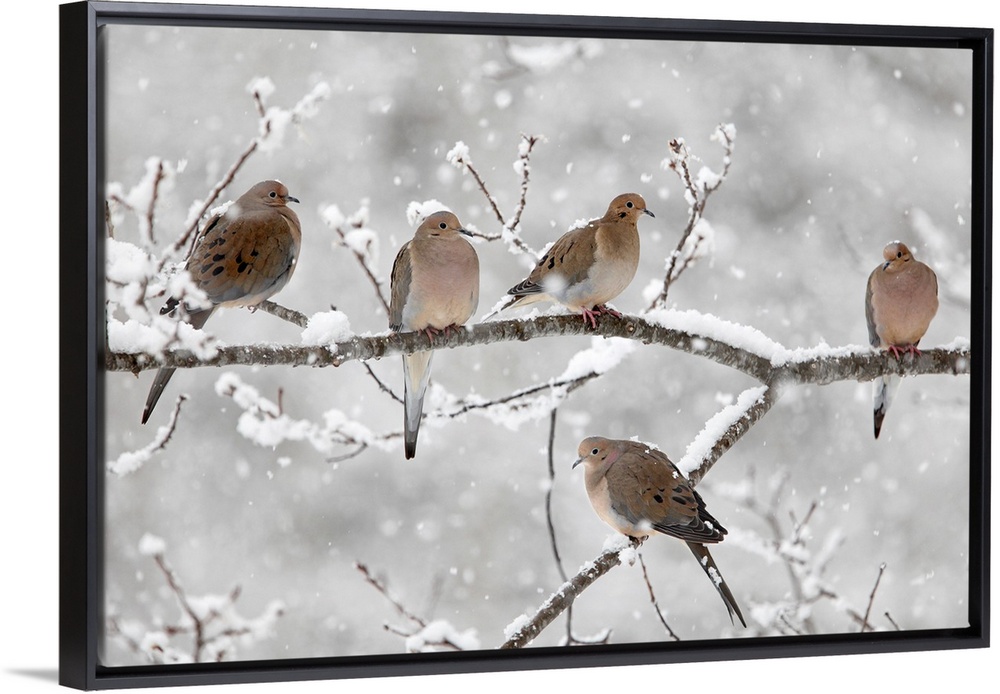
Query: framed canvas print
<point x="535" y="341"/>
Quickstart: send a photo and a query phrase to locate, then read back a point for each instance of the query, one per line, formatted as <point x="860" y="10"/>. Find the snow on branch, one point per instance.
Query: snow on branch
<point x="806" y="566"/>
<point x="819" y="365"/>
<point x="209" y="622"/>
<point x="459" y="157"/>
<point x="264" y="423"/>
<point x="426" y="636"/>
<point x="142" y="197"/>
<point x="698" y="239"/>
<point x="130" y="461"/>
<point x="354" y="234"/>
<point x="725" y="429"/>
<point x="524" y="629"/>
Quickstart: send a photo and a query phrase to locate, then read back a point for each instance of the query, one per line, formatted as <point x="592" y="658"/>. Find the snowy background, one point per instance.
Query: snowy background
<point x="838" y="151"/>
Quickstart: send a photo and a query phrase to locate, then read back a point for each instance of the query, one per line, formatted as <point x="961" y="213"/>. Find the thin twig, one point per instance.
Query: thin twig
<point x="381" y="385"/>
<point x="381" y="588"/>
<point x="445" y="642"/>
<point x="652" y="599"/>
<point x="680" y="157"/>
<point x="509" y="232"/>
<point x="376" y="283"/>
<point x="871" y="598"/>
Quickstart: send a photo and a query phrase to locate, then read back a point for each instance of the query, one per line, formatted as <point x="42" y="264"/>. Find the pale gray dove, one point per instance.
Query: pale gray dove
<point x="435" y="287"/>
<point x="901" y="300"/>
<point x="636" y="490"/>
<point x="588" y="266"/>
<point x="243" y="256"/>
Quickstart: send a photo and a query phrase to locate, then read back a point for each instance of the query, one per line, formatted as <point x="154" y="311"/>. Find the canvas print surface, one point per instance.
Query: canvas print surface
<point x="267" y="509"/>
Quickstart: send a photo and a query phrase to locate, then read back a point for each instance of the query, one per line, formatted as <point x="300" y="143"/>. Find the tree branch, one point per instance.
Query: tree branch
<point x="821" y="366"/>
<point x="525" y="630"/>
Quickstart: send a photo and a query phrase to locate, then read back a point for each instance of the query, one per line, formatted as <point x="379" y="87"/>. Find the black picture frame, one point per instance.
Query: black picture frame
<point x="81" y="333"/>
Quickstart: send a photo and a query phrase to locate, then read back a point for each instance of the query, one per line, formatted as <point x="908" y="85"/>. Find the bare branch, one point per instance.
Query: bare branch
<point x="652" y="599"/>
<point x="871" y="598"/>
<point x="381" y="588"/>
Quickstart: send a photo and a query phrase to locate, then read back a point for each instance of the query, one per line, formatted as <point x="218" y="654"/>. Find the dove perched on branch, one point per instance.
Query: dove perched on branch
<point x="588" y="266"/>
<point x="637" y="491"/>
<point x="435" y="287"/>
<point x="901" y="301"/>
<point x="243" y="256"/>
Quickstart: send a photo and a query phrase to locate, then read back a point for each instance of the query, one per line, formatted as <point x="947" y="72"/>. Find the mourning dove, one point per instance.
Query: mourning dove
<point x="590" y="265"/>
<point x="243" y="256"/>
<point x="900" y="302"/>
<point x="636" y="490"/>
<point x="435" y="287"/>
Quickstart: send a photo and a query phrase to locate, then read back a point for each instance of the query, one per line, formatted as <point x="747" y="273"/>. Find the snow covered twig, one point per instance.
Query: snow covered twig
<point x="209" y="621"/>
<point x="697" y="238"/>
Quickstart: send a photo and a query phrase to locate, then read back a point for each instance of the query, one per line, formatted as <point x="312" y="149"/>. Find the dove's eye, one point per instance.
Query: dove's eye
<point x="899" y="254"/>
<point x="629" y="204"/>
<point x="273" y="194"/>
<point x="595" y="451"/>
<point x="442" y="225"/>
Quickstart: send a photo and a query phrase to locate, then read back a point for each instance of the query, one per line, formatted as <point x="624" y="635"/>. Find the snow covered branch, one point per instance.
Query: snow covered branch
<point x="743" y="349"/>
<point x="130" y="461"/>
<point x="210" y="622"/>
<point x="524" y="629"/>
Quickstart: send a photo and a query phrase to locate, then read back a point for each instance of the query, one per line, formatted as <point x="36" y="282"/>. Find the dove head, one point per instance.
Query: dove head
<point x="443" y="225"/>
<point x="627" y="206"/>
<point x="896" y="256"/>
<point x="272" y="193"/>
<point x="597" y="453"/>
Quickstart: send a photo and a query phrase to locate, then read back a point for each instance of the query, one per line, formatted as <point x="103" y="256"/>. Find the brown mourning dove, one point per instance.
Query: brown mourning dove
<point x="590" y="265"/>
<point x="900" y="302"/>
<point x="243" y="256"/>
<point x="435" y="287"/>
<point x="637" y="490"/>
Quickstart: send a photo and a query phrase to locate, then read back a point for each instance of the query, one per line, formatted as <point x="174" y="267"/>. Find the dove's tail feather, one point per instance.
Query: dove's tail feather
<point x="501" y="306"/>
<point x="416" y="376"/>
<point x="883" y="390"/>
<point x="700" y="552"/>
<point x="197" y="320"/>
